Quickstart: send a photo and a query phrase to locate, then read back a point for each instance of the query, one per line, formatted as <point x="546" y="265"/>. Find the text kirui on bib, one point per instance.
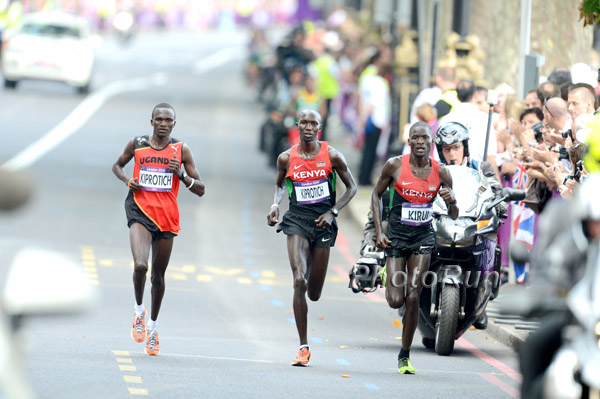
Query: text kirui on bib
<point x="155" y="179"/>
<point x="311" y="192"/>
<point x="416" y="214"/>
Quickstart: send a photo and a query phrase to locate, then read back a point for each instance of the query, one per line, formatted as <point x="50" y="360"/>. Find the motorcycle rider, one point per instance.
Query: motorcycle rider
<point x="452" y="144"/>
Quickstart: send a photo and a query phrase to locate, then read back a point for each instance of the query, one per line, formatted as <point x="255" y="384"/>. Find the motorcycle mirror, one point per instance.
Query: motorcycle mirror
<point x="17" y="189"/>
<point x="513" y="194"/>
<point x="519" y="252"/>
<point x="41" y="282"/>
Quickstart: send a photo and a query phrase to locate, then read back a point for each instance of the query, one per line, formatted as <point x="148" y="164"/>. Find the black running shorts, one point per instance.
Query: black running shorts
<point x="135" y="215"/>
<point x="305" y="227"/>
<point x="411" y="240"/>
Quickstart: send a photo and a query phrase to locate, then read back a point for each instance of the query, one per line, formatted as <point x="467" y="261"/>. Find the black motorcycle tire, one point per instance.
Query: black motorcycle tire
<point x="429" y="343"/>
<point x="446" y="327"/>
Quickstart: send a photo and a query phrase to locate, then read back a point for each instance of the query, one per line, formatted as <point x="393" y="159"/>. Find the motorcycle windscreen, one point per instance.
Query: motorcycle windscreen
<point x="471" y="189"/>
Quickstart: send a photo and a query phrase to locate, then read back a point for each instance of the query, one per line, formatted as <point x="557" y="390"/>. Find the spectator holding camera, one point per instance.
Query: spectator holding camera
<point x="556" y="115"/>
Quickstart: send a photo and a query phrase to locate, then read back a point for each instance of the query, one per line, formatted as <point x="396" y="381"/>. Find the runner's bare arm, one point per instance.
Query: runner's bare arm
<point x="283" y="162"/>
<point x="446" y="192"/>
<point x="189" y="164"/>
<point x="338" y="162"/>
<point x="383" y="183"/>
<point x="118" y="166"/>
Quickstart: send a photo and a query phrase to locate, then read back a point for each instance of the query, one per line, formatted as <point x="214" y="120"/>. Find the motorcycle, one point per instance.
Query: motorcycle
<point x="561" y="359"/>
<point x="465" y="267"/>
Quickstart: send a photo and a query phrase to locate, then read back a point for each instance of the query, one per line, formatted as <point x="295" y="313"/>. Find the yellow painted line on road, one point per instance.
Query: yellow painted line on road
<point x="183" y="269"/>
<point x="89" y="263"/>
<point x="124" y="360"/>
<point x="268" y="274"/>
<point x="94" y="282"/>
<point x="336" y="279"/>
<point x="90" y="269"/>
<point x="176" y="276"/>
<point x="120" y="353"/>
<point x="212" y="357"/>
<point x="132" y="379"/>
<point x="244" y="280"/>
<point x="123" y="367"/>
<point x="138" y="391"/>
<point x="92" y="276"/>
<point x="264" y="281"/>
<point x="106" y="262"/>
<point x="223" y="272"/>
<point x="203" y="278"/>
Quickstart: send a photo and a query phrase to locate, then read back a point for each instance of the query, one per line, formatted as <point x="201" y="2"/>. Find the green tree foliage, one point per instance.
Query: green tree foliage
<point x="589" y="11"/>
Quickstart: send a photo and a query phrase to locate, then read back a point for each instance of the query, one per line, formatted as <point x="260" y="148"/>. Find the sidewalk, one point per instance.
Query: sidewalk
<point x="509" y="330"/>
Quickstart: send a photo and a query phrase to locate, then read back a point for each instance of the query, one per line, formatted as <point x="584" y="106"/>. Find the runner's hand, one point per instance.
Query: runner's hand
<point x="174" y="165"/>
<point x="447" y="196"/>
<point x="273" y="216"/>
<point x="325" y="220"/>
<point x="133" y="185"/>
<point x="383" y="242"/>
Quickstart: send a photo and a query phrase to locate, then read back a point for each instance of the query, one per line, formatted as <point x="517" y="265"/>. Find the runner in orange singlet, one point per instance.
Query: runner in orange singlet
<point x="307" y="172"/>
<point x="152" y="211"/>
<point x="413" y="181"/>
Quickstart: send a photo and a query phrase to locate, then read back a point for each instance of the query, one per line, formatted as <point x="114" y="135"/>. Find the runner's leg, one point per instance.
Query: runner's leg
<point x="140" y="240"/>
<point x="161" y="253"/>
<point x="299" y="252"/>
<point x="317" y="271"/>
<point x="396" y="281"/>
<point x="418" y="265"/>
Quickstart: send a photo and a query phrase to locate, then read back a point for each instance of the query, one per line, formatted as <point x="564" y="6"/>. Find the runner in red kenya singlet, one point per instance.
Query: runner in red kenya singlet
<point x="152" y="211"/>
<point x="308" y="173"/>
<point x="414" y="180"/>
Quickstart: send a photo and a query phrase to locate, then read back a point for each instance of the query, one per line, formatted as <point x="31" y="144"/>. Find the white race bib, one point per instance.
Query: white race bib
<point x="311" y="192"/>
<point x="155" y="179"/>
<point x="416" y="214"/>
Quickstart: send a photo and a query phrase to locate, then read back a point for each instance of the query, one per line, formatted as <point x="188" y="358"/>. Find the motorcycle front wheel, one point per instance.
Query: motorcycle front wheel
<point x="446" y="327"/>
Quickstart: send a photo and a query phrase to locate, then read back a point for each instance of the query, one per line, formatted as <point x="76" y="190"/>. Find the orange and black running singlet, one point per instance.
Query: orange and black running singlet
<point x="311" y="183"/>
<point x="158" y="196"/>
<point x="411" y="200"/>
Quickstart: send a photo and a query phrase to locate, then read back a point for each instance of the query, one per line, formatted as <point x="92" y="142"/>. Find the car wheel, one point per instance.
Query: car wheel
<point x="83" y="89"/>
<point x="10" y="84"/>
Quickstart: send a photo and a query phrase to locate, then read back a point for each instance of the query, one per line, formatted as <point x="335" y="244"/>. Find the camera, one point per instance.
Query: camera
<point x="567" y="133"/>
<point x="537" y="130"/>
<point x="563" y="153"/>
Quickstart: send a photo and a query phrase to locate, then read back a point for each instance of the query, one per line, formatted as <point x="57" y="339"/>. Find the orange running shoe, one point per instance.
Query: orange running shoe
<point x="152" y="345"/>
<point x="302" y="359"/>
<point x="138" y="331"/>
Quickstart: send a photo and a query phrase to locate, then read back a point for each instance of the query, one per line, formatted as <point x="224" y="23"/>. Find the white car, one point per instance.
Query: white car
<point x="49" y="46"/>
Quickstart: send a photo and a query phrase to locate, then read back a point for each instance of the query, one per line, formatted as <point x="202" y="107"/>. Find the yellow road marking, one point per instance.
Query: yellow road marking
<point x="88" y="263"/>
<point x="176" y="276"/>
<point x="87" y="249"/>
<point x="223" y="272"/>
<point x="138" y="391"/>
<point x="124" y="360"/>
<point x="203" y="278"/>
<point x="120" y="353"/>
<point x="92" y="276"/>
<point x="212" y="357"/>
<point x="183" y="269"/>
<point x="263" y="281"/>
<point x="244" y="280"/>
<point x="123" y="367"/>
<point x="132" y="379"/>
<point x="94" y="282"/>
<point x="88" y="256"/>
<point x="336" y="279"/>
<point x="268" y="274"/>
<point x="90" y="269"/>
<point x="106" y="262"/>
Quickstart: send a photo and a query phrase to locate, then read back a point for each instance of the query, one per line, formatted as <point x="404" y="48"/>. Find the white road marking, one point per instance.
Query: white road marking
<point x="88" y="107"/>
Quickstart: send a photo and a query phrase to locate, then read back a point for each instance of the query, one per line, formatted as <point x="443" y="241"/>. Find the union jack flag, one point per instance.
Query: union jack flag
<point x="520" y="179"/>
<point x="523" y="222"/>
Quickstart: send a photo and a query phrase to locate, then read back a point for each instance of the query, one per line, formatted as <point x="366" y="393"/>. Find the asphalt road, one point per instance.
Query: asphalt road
<point x="226" y="325"/>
